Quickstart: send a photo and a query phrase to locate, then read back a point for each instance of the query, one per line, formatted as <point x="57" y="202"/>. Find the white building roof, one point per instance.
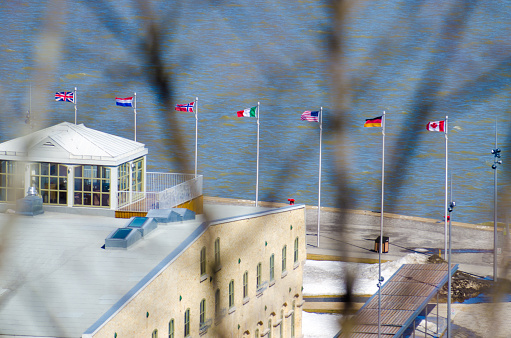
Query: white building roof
<point x="57" y="281"/>
<point x="72" y="144"/>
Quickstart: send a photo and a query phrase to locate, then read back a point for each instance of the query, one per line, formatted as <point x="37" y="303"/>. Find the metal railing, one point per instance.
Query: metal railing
<point x="164" y="191"/>
<point x="157" y="182"/>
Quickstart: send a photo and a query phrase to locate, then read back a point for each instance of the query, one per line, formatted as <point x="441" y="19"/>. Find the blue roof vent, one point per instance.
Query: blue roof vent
<point x="143" y="224"/>
<point x="171" y="215"/>
<point x="122" y="238"/>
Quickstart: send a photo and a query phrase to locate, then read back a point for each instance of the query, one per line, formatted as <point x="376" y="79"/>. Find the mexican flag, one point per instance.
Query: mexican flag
<point x="249" y="112"/>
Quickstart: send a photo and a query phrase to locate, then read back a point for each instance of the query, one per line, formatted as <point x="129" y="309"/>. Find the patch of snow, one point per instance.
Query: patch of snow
<point x="328" y="277"/>
<point x="320" y="325"/>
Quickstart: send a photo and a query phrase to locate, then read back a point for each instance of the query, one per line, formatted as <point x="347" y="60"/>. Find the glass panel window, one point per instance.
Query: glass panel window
<point x="245" y="284"/>
<point x="281" y="323"/>
<point x="217" y="302"/>
<point x="171" y="328"/>
<point x="284" y="258"/>
<point x="50" y="180"/>
<point x="217" y="252"/>
<point x="203" y="261"/>
<point x="155" y="334"/>
<point x="187" y="322"/>
<point x="45" y="169"/>
<point x="202" y="316"/>
<point x="296" y="250"/>
<point x="12" y="181"/>
<point x="92" y="186"/>
<point x="123" y="172"/>
<point x="137" y="174"/>
<point x="272" y="267"/>
<point x="258" y="277"/>
<point x="293" y="321"/>
<point x="231" y="293"/>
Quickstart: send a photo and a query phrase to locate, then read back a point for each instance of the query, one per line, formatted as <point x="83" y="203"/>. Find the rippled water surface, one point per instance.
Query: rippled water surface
<point x="233" y="54"/>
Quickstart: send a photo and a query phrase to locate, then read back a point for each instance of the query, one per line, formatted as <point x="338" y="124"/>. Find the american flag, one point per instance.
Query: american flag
<point x="312" y="116"/>
<point x="185" y="107"/>
<point x="65" y="96"/>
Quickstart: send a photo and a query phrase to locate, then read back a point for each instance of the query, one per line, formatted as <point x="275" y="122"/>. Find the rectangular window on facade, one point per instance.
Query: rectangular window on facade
<point x="217" y="303"/>
<point x="155" y="334"/>
<point x="231" y="293"/>
<point x="245" y="284"/>
<point x="123" y="184"/>
<point x="296" y="250"/>
<point x="282" y="323"/>
<point x="284" y="258"/>
<point x="202" y="316"/>
<point x="203" y="261"/>
<point x="272" y="267"/>
<point x="258" y="277"/>
<point x="12" y="181"/>
<point x="50" y="179"/>
<point x="92" y="186"/>
<point x="187" y="323"/>
<point x="137" y="174"/>
<point x="171" y="328"/>
<point x="293" y="321"/>
<point x="217" y="253"/>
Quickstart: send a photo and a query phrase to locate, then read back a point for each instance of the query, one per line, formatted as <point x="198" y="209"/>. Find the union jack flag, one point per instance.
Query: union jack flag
<point x="65" y="96"/>
<point x="185" y="107"/>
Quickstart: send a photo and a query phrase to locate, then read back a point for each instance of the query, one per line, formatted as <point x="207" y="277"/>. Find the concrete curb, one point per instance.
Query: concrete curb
<point x="224" y="200"/>
<point x="320" y="257"/>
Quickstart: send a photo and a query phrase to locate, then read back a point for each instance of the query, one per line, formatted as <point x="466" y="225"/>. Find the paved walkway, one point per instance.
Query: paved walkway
<point x="350" y="236"/>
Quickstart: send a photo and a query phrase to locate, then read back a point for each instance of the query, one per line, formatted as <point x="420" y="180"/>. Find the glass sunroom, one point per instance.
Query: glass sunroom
<point x="74" y="166"/>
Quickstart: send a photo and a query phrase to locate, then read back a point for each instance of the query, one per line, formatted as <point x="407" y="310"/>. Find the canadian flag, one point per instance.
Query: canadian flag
<point x="435" y="126"/>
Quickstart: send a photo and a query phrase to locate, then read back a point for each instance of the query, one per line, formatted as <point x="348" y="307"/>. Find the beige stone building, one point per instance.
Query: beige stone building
<point x="236" y="274"/>
<point x="237" y="277"/>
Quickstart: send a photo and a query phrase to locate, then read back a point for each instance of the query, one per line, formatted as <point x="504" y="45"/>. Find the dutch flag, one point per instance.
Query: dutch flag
<point x="124" y="102"/>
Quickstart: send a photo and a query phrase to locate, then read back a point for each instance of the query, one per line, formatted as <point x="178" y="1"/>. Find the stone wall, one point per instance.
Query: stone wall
<point x="244" y="242"/>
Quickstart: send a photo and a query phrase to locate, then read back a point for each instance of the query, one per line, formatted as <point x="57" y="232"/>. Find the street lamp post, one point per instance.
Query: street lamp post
<point x="450" y="209"/>
<point x="496" y="161"/>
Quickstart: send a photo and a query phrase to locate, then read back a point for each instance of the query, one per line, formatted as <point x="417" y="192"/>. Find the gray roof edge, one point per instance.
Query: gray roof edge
<point x="114" y="162"/>
<point x="158" y="269"/>
<point x="155" y="272"/>
<point x="259" y="213"/>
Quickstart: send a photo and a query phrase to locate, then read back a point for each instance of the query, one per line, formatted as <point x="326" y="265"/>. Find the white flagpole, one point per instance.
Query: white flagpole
<point x="447" y="221"/>
<point x="380" y="280"/>
<point x="319" y="175"/>
<point x="446" y="180"/>
<point x="135" y="113"/>
<point x="257" y="170"/>
<point x="74" y="99"/>
<point x="196" y="110"/>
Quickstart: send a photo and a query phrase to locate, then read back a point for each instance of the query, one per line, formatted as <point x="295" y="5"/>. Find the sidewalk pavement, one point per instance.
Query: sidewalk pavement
<point x="351" y="235"/>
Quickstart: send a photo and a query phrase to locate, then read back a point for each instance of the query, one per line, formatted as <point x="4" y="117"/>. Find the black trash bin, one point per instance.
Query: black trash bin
<point x="385" y="243"/>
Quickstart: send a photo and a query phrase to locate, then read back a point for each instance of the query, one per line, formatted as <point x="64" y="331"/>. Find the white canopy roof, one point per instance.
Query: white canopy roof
<point x="72" y="144"/>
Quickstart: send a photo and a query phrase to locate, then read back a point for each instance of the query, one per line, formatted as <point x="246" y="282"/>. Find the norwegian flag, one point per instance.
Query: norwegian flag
<point x="435" y="126"/>
<point x="65" y="96"/>
<point x="185" y="107"/>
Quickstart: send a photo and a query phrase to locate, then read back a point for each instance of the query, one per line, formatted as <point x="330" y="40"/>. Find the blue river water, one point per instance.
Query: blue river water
<point x="417" y="61"/>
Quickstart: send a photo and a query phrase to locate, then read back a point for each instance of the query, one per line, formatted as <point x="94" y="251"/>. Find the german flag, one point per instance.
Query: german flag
<point x="376" y="122"/>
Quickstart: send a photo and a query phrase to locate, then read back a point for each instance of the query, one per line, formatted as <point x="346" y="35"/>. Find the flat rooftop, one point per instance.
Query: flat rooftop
<point x="57" y="280"/>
